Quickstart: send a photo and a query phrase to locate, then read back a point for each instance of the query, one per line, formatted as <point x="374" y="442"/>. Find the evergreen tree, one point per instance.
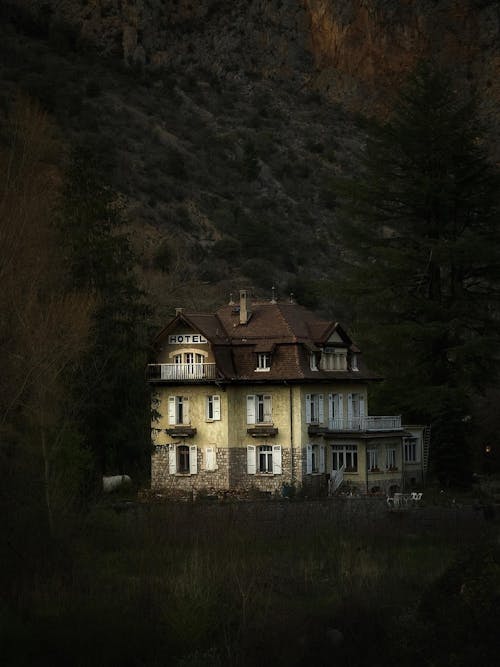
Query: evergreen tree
<point x="100" y="260"/>
<point x="420" y="224"/>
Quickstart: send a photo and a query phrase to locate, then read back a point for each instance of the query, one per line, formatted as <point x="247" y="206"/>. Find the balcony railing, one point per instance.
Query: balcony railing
<point x="181" y="372"/>
<point x="375" y="423"/>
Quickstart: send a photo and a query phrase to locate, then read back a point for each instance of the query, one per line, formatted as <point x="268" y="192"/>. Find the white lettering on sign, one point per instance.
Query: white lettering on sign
<point x="175" y="339"/>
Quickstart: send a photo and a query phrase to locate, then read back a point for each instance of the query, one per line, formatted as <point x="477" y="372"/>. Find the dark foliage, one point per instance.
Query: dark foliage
<point x="423" y="264"/>
<point x="100" y="260"/>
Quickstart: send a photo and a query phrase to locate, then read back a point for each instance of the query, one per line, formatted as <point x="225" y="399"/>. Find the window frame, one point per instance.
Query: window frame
<point x="270" y="454"/>
<point x="259" y="406"/>
<point x="315" y="409"/>
<point x="265" y="459"/>
<point x="263" y="362"/>
<point x="334" y="359"/>
<point x="390" y="458"/>
<point x="413" y="443"/>
<point x="178" y="410"/>
<point x="212" y="408"/>
<point x="182" y="456"/>
<point x="315" y="459"/>
<point x="372" y="460"/>
<point x="183" y="459"/>
<point x="346" y="453"/>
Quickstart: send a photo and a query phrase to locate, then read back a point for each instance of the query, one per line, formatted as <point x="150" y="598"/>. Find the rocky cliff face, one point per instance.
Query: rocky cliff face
<point x="223" y="123"/>
<point x="369" y="46"/>
<point x="352" y="50"/>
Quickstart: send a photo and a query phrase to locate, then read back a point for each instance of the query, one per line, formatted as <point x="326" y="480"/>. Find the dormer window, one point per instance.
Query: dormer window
<point x="334" y="359"/>
<point x="263" y="361"/>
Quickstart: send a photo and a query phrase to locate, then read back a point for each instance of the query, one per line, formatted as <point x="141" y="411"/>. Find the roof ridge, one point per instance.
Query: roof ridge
<point x="288" y="326"/>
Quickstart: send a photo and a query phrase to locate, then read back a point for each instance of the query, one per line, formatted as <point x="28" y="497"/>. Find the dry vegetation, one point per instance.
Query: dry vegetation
<point x="242" y="584"/>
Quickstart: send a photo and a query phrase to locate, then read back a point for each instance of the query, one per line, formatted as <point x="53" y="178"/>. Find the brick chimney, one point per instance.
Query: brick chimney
<point x="245" y="311"/>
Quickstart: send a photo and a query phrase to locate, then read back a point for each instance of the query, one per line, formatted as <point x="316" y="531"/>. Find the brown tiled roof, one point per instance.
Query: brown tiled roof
<point x="288" y="331"/>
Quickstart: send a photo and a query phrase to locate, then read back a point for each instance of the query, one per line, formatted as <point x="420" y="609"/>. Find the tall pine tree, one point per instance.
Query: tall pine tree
<point x="420" y="224"/>
<point x="100" y="260"/>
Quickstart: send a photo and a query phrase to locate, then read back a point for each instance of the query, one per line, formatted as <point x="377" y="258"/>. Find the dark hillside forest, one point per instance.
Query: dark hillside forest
<point x="162" y="154"/>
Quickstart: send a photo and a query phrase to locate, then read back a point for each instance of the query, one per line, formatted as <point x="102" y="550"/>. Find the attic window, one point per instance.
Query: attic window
<point x="334" y="359"/>
<point x="263" y="361"/>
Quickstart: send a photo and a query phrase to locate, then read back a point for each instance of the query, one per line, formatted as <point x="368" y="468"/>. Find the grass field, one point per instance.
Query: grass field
<point x="327" y="582"/>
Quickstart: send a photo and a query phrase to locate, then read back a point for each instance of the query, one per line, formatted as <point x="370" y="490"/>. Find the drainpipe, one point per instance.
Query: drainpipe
<point x="403" y="477"/>
<point x="291" y="432"/>
<point x="366" y="467"/>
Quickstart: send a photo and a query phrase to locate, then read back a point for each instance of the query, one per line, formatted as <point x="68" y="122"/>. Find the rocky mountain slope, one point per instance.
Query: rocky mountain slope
<point x="223" y="121"/>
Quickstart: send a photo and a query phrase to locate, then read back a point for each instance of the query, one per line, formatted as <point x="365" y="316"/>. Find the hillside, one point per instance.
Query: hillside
<point x="221" y="123"/>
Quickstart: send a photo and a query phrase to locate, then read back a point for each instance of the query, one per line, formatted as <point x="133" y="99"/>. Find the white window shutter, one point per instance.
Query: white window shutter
<point x="251" y="460"/>
<point x="331" y="409"/>
<point x="340" y="406"/>
<point x="185" y="410"/>
<point x="322" y="458"/>
<point x="308" y="408"/>
<point x="210" y="458"/>
<point x="171" y="410"/>
<point x="361" y="406"/>
<point x="309" y="459"/>
<point x="268" y="408"/>
<point x="251" y="409"/>
<point x="349" y="408"/>
<point x="321" y="409"/>
<point x="277" y="469"/>
<point x="172" y="460"/>
<point x="216" y="406"/>
<point x="193" y="459"/>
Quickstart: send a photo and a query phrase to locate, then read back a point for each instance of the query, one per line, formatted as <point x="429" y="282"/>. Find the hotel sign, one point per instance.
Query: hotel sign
<point x="196" y="339"/>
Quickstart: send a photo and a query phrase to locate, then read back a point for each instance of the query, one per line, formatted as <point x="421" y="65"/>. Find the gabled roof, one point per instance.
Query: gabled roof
<point x="288" y="331"/>
<point x="207" y="325"/>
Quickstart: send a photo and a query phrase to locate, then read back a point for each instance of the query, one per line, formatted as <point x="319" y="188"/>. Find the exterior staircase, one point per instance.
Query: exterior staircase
<point x="336" y="480"/>
<point x="426" y="445"/>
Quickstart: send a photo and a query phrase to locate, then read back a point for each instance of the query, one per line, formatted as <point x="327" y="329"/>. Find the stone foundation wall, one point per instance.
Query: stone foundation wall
<point x="231" y="474"/>
<point x="185" y="483"/>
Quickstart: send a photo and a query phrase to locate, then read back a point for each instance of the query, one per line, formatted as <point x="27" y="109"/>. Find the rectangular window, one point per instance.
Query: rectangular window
<point x="372" y="459"/>
<point x="263" y="361"/>
<point x="183" y="459"/>
<point x="336" y="412"/>
<point x="213" y="408"/>
<point x="345" y="455"/>
<point x="264" y="459"/>
<point x="314" y="409"/>
<point x="390" y="460"/>
<point x="259" y="409"/>
<point x="334" y="359"/>
<point x="178" y="410"/>
<point x="315" y="458"/>
<point x="410" y="450"/>
<point x="355" y="411"/>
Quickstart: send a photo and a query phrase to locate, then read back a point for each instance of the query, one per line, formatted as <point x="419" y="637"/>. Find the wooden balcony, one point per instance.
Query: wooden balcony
<point x="181" y="372"/>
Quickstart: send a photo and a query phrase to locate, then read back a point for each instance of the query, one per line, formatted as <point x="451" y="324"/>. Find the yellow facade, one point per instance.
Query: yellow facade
<point x="285" y="430"/>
